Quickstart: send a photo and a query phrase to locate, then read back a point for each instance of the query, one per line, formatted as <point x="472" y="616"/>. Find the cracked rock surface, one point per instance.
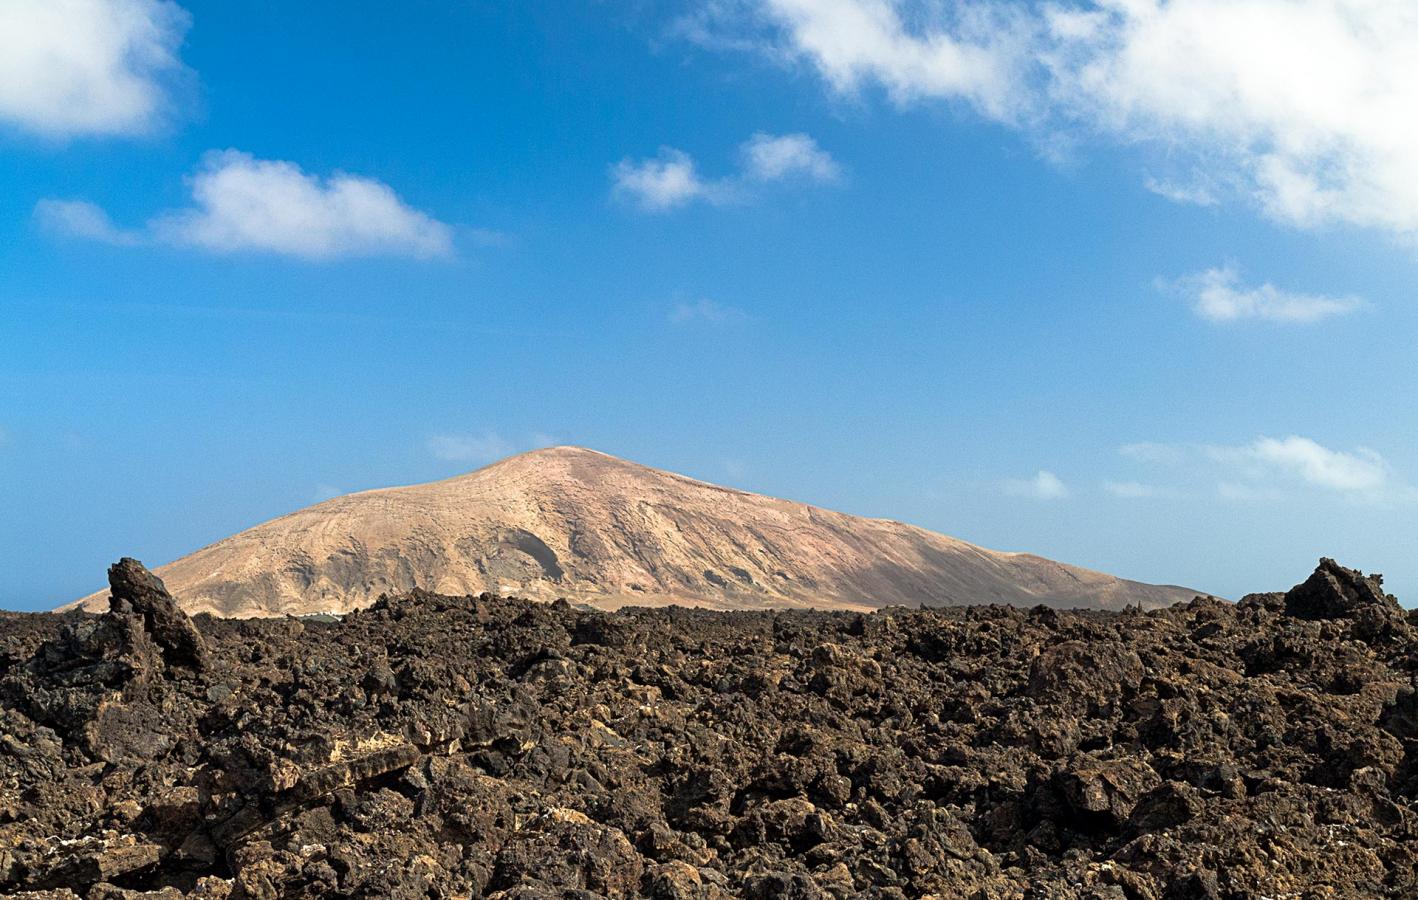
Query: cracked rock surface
<point x="437" y="746"/>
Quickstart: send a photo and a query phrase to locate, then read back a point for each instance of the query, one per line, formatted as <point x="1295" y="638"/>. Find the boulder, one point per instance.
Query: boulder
<point x="1334" y="592"/>
<point x="1083" y="674"/>
<point x="566" y="850"/>
<point x="135" y="590"/>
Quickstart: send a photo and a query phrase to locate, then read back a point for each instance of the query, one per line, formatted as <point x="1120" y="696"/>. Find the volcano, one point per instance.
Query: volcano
<point x="568" y="522"/>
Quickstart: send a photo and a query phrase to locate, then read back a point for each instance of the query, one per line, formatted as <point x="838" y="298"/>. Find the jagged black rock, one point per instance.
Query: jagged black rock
<point x="480" y="746"/>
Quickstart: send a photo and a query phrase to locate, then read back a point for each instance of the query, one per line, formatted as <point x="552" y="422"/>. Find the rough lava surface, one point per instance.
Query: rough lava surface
<point x="439" y="746"/>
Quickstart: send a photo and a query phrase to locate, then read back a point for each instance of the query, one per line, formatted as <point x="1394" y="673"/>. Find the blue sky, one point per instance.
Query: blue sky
<point x="1075" y="279"/>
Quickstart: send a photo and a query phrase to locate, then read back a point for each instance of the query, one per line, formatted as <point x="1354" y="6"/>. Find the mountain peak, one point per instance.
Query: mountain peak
<point x="555" y="457"/>
<point x="573" y="522"/>
<point x="560" y="451"/>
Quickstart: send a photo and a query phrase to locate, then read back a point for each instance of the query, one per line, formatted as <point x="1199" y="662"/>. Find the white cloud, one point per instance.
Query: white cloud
<point x="79" y="218"/>
<point x="772" y="158"/>
<point x="1044" y="485"/>
<point x="665" y="182"/>
<point x="1299" y="103"/>
<point x="88" y="67"/>
<point x="484" y="447"/>
<point x="1261" y="468"/>
<point x="960" y="51"/>
<point x="1193" y="193"/>
<point x="708" y="311"/>
<point x="1301" y="107"/>
<point x="1218" y="296"/>
<point x="672" y="178"/>
<point x="244" y="204"/>
<point x="1304" y="460"/>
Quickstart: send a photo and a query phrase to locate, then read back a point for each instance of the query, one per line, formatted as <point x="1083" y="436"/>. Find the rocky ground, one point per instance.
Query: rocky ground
<point x="457" y="746"/>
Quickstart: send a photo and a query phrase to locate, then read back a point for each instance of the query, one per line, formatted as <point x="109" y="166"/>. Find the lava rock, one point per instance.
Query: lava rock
<point x="133" y="589"/>
<point x="1334" y="592"/>
<point x="565" y="850"/>
<point x="1085" y="673"/>
<point x="1102" y="793"/>
<point x="492" y="747"/>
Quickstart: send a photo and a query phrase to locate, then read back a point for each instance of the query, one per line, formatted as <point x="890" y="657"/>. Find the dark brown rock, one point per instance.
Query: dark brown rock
<point x="1085" y="673"/>
<point x="1334" y="592"/>
<point x="91" y="866"/>
<point x="490" y="747"/>
<point x="133" y="589"/>
<point x="565" y="850"/>
<point x="1103" y="793"/>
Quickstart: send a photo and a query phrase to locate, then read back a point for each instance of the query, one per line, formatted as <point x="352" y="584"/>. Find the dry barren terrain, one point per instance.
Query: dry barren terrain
<point x="457" y="746"/>
<point x="574" y="523"/>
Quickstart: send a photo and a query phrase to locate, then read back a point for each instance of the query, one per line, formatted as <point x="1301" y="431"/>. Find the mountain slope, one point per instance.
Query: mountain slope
<point x="574" y="523"/>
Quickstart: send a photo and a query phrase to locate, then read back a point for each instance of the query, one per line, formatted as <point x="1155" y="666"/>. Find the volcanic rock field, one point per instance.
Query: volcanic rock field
<point x="435" y="746"/>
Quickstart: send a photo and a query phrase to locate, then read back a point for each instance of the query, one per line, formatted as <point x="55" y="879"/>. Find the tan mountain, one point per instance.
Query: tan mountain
<point x="574" y="523"/>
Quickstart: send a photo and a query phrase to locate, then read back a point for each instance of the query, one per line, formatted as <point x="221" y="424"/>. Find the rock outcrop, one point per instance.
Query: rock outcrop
<point x="134" y="591"/>
<point x="479" y="746"/>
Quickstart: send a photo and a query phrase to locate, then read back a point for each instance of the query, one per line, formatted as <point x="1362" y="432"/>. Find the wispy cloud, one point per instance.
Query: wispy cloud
<point x="1298" y="107"/>
<point x="1217" y="295"/>
<point x="1266" y="467"/>
<point x="972" y="54"/>
<point x="244" y="204"/>
<point x="485" y="446"/>
<point x="1045" y="485"/>
<point x="88" y="67"/>
<point x="1308" y="462"/>
<point x="325" y="492"/>
<point x="81" y="219"/>
<point x="671" y="179"/>
<point x="482" y="447"/>
<point x="665" y="182"/>
<point x="773" y="158"/>
<point x="1194" y="193"/>
<point x="707" y="311"/>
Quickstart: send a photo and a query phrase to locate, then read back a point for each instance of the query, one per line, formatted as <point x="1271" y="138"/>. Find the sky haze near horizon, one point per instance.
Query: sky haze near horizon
<point x="1080" y="279"/>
